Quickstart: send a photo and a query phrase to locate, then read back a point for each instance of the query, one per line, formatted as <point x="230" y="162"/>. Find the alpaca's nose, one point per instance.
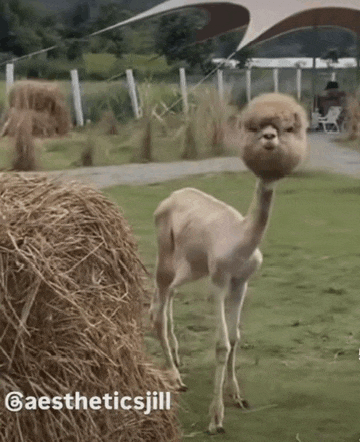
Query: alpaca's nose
<point x="269" y="137"/>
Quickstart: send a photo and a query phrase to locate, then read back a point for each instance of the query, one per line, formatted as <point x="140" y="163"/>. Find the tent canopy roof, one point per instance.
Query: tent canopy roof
<point x="264" y="20"/>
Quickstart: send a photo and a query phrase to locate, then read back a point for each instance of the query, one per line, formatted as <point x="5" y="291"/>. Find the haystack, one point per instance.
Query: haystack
<point x="44" y="103"/>
<point x="353" y="112"/>
<point x="71" y="293"/>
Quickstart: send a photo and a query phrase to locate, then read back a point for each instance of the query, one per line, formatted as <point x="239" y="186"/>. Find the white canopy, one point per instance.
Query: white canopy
<point x="265" y="19"/>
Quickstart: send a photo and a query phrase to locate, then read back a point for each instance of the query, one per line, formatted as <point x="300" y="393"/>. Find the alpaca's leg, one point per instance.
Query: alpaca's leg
<point x="161" y="328"/>
<point x="173" y="341"/>
<point x="233" y="306"/>
<point x="222" y="352"/>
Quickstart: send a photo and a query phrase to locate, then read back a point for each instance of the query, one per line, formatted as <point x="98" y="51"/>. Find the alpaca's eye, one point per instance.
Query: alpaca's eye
<point x="289" y="129"/>
<point x="252" y="129"/>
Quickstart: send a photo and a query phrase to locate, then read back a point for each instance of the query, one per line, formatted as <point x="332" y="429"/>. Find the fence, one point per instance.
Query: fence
<point x="236" y="85"/>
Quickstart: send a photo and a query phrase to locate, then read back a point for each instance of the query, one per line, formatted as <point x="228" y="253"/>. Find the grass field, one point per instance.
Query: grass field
<point x="299" y="352"/>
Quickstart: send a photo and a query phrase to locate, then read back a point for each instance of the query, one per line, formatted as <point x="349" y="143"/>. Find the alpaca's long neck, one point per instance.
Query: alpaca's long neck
<point x="258" y="215"/>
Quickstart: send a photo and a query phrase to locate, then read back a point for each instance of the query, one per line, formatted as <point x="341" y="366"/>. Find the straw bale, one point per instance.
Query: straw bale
<point x="25" y="149"/>
<point x="353" y="112"/>
<point x="46" y="104"/>
<point x="71" y="293"/>
<point x="108" y="123"/>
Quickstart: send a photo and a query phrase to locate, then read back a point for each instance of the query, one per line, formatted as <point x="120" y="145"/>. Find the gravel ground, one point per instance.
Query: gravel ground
<point x="325" y="154"/>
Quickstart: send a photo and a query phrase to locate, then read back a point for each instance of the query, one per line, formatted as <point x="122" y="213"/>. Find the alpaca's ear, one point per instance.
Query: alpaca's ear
<point x="301" y="120"/>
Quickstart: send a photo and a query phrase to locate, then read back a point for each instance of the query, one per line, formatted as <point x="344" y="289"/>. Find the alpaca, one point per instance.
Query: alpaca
<point x="200" y="236"/>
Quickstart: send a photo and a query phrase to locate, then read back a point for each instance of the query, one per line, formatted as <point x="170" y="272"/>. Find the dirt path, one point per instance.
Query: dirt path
<point x="325" y="154"/>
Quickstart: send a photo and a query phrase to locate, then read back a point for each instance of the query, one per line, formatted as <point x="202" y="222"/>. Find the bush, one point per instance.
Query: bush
<point x="48" y="69"/>
<point x="115" y="99"/>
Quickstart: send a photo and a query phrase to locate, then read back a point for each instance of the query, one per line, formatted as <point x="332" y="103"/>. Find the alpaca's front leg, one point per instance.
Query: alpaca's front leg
<point x="233" y="307"/>
<point x="222" y="352"/>
<point x="173" y="341"/>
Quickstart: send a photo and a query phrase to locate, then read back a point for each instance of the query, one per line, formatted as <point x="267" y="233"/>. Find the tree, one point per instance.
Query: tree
<point x="111" y="41"/>
<point x="243" y="56"/>
<point x="176" y="39"/>
<point x="228" y="44"/>
<point x="22" y="30"/>
<point x="332" y="55"/>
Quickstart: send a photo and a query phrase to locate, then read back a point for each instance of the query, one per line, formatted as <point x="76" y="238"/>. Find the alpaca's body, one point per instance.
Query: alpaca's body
<point x="210" y="232"/>
<point x="199" y="236"/>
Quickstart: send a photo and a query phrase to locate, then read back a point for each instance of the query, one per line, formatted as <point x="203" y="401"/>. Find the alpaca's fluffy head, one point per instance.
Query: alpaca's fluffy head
<point x="273" y="135"/>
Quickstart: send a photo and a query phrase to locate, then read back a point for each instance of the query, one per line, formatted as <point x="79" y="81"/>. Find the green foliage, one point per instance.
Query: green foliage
<point x="176" y="39"/>
<point x="51" y="69"/>
<point x="113" y="40"/>
<point x="23" y="31"/>
<point x="147" y="66"/>
<point x="243" y="56"/>
<point x="115" y="98"/>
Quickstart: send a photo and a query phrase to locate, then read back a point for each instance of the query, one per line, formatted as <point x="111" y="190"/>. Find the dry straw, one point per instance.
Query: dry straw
<point x="44" y="103"/>
<point x="71" y="293"/>
<point x="25" y="149"/>
<point x="353" y="111"/>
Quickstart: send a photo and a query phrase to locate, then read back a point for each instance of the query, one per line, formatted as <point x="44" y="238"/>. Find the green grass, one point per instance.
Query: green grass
<point x="145" y="65"/>
<point x="99" y="63"/>
<point x="300" y="336"/>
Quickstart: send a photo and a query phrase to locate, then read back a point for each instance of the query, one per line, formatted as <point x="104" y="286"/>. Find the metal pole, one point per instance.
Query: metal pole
<point x="132" y="92"/>
<point x="77" y="97"/>
<point x="298" y="83"/>
<point x="183" y="89"/>
<point x="248" y="84"/>
<point x="220" y="81"/>
<point x="276" y="79"/>
<point x="9" y="76"/>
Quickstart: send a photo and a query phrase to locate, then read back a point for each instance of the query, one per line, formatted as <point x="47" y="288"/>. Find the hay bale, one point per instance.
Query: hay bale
<point x="71" y="293"/>
<point x="46" y="104"/>
<point x="353" y="113"/>
<point x="25" y="149"/>
<point x="108" y="123"/>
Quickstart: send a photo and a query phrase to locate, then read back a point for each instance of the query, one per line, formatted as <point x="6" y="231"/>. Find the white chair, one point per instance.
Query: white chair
<point x="330" y="120"/>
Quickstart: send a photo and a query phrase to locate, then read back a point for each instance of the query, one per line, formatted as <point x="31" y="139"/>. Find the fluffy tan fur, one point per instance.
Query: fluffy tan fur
<point x="273" y="135"/>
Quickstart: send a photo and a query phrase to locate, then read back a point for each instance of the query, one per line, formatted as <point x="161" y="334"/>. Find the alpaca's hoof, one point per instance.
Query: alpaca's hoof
<point x="182" y="388"/>
<point x="243" y="403"/>
<point x="217" y="430"/>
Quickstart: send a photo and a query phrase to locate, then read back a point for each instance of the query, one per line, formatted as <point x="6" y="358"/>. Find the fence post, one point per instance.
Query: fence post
<point x="276" y="79"/>
<point x="132" y="92"/>
<point x="248" y="84"/>
<point x="9" y="76"/>
<point x="220" y="82"/>
<point x="298" y="83"/>
<point x="333" y="76"/>
<point x="77" y="97"/>
<point x="183" y="89"/>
